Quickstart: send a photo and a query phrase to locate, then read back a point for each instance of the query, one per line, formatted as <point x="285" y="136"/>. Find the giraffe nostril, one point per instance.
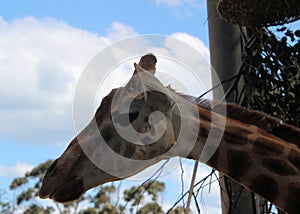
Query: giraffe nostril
<point x="51" y="167"/>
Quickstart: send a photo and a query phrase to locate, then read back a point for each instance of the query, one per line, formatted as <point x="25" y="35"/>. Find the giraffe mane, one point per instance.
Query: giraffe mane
<point x="272" y="125"/>
<point x="262" y="120"/>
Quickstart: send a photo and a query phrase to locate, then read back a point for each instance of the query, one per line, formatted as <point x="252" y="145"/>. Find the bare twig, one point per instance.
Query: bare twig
<point x="191" y="187"/>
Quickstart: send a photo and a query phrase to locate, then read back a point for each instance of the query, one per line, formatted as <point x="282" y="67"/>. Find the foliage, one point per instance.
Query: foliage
<point x="26" y="190"/>
<point x="5" y="205"/>
<point x="272" y="73"/>
<point x="103" y="196"/>
<point x="136" y="193"/>
<point x="26" y="195"/>
<point x="101" y="201"/>
<point x="17" y="182"/>
<point x="152" y="207"/>
<point x="177" y="210"/>
<point x="89" y="211"/>
<point x="34" y="209"/>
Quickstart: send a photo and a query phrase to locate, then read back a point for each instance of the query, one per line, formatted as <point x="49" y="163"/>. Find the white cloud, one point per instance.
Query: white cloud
<point x="18" y="169"/>
<point x="41" y="61"/>
<point x="193" y="42"/>
<point x="182" y="8"/>
<point x="197" y="60"/>
<point x="175" y="3"/>
<point x="120" y="31"/>
<point x="168" y="2"/>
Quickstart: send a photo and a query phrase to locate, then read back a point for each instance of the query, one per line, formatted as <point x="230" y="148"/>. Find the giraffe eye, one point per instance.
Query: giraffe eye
<point x="123" y="118"/>
<point x="133" y="116"/>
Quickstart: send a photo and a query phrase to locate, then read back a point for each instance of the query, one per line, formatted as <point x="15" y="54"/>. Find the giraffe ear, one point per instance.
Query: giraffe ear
<point x="138" y="69"/>
<point x="147" y="63"/>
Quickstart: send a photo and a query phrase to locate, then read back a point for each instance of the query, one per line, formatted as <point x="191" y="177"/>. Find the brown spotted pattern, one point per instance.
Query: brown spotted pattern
<point x="265" y="186"/>
<point x="294" y="158"/>
<point x="293" y="198"/>
<point x="239" y="162"/>
<point x="256" y="150"/>
<point x="278" y="167"/>
<point x="265" y="146"/>
<point x="261" y="162"/>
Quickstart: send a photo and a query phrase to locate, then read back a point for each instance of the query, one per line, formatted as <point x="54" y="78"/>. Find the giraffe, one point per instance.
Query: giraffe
<point x="256" y="150"/>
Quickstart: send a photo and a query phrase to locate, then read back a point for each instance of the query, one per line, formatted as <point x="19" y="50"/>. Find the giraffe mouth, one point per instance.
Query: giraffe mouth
<point x="68" y="192"/>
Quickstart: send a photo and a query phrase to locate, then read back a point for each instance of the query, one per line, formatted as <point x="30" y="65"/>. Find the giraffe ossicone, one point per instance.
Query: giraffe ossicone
<point x="251" y="148"/>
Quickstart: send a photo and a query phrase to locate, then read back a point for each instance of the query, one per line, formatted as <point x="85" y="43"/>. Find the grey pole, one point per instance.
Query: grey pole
<point x="225" y="52"/>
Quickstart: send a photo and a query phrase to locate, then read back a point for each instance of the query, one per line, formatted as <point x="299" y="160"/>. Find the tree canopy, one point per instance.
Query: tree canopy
<point x="140" y="199"/>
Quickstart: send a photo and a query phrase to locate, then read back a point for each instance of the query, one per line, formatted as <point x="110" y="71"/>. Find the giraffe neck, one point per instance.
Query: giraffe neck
<point x="260" y="161"/>
<point x="252" y="152"/>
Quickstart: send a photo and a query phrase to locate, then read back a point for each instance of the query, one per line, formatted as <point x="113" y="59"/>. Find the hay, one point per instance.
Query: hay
<point x="258" y="13"/>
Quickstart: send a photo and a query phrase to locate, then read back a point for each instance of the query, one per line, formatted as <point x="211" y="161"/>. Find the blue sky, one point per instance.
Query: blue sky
<point x="47" y="44"/>
<point x="146" y="17"/>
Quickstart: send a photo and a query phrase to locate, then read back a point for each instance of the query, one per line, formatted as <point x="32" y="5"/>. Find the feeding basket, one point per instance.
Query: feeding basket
<point x="258" y="13"/>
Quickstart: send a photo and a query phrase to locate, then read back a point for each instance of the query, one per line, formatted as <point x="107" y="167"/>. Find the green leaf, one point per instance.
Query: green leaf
<point x="152" y="207"/>
<point x="17" y="182"/>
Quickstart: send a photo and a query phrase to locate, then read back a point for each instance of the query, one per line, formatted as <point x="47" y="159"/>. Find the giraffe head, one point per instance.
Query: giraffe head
<point x="131" y="130"/>
<point x="142" y="123"/>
